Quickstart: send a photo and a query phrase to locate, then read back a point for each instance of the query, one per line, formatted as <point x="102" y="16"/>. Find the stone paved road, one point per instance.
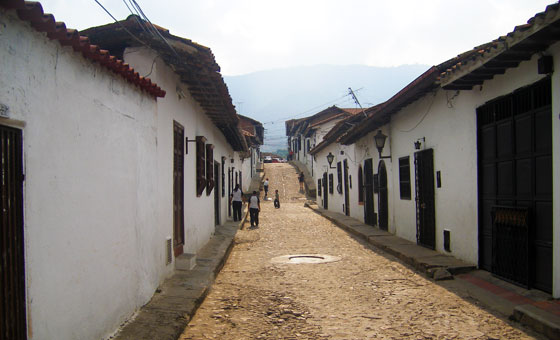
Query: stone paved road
<point x="365" y="295"/>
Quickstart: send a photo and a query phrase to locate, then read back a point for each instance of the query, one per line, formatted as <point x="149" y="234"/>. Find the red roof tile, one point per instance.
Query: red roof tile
<point x="32" y="12"/>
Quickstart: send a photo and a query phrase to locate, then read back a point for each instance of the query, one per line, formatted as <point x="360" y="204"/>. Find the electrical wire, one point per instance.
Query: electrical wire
<point x="154" y="28"/>
<point x="424" y="116"/>
<point x="306" y="111"/>
<point x="122" y="26"/>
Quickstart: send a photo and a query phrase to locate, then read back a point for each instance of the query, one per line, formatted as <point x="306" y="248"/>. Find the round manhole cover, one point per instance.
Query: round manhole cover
<point x="305" y="258"/>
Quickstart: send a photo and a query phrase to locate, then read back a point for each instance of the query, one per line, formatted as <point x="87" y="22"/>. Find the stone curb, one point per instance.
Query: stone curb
<point x="541" y="321"/>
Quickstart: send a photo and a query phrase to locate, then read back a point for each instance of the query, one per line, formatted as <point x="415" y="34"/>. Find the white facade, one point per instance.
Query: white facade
<point x="98" y="190"/>
<point x="445" y="121"/>
<point x="94" y="244"/>
<point x="180" y="107"/>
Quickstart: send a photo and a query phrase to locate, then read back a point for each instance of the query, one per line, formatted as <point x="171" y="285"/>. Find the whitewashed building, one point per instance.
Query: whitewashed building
<point x="469" y="161"/>
<point x="303" y="134"/>
<point x="107" y="176"/>
<point x="254" y="135"/>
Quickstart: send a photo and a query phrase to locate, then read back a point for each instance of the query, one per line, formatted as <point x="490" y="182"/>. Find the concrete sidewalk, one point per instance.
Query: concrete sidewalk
<point x="531" y="308"/>
<point x="177" y="299"/>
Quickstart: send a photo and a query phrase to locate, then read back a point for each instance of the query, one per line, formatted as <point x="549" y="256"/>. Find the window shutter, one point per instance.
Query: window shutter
<point x="331" y="183"/>
<point x="319" y="191"/>
<point x="200" y="165"/>
<point x="209" y="168"/>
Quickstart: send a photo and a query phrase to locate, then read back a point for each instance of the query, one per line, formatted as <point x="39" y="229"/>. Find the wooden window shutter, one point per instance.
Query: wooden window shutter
<point x="331" y="183"/>
<point x="209" y="168"/>
<point x="200" y="165"/>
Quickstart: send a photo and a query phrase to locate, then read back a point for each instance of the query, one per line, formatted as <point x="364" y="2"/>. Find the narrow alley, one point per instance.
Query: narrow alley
<point x="362" y="294"/>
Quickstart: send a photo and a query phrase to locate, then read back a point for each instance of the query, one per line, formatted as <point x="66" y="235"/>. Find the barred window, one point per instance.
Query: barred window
<point x="404" y="178"/>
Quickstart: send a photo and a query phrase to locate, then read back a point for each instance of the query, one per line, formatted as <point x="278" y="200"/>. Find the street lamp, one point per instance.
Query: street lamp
<point x="330" y="159"/>
<point x="380" y="143"/>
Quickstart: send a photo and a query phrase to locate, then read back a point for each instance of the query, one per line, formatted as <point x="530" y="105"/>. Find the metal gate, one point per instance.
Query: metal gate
<point x="369" y="213"/>
<point x="510" y="241"/>
<point x="382" y="198"/>
<point x="425" y="200"/>
<point x="12" y="265"/>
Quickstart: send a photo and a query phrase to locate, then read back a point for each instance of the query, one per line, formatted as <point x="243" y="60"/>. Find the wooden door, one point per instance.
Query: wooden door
<point x="346" y="189"/>
<point x="12" y="265"/>
<point x="383" y="200"/>
<point x="369" y="212"/>
<point x="515" y="174"/>
<point x="325" y="191"/>
<point x="425" y="200"/>
<point x="216" y="193"/>
<point x="178" y="189"/>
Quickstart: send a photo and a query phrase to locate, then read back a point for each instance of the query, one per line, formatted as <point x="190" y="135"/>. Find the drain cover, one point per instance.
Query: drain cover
<point x="305" y="258"/>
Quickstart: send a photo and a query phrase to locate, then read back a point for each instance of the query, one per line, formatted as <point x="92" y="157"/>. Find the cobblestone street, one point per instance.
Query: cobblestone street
<point x="365" y="295"/>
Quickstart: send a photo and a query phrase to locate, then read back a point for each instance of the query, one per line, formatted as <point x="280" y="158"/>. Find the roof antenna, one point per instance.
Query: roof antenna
<point x="350" y="92"/>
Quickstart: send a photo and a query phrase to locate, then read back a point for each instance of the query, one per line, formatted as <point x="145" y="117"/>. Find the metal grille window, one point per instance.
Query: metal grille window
<point x="331" y="183"/>
<point x="339" y="177"/>
<point x="319" y="191"/>
<point x="404" y="178"/>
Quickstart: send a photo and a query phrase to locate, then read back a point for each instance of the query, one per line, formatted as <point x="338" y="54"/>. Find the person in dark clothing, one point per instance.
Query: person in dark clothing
<point x="301" y="179"/>
<point x="276" y="200"/>
<point x="254" y="209"/>
<point x="265" y="185"/>
<point x="237" y="202"/>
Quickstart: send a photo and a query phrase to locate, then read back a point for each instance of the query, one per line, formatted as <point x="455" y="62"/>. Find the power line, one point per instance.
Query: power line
<point x="122" y="26"/>
<point x="307" y="111"/>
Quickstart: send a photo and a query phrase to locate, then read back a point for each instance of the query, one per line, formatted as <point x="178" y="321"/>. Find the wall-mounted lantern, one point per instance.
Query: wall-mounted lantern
<point x="380" y="139"/>
<point x="330" y="159"/>
<point x="418" y="143"/>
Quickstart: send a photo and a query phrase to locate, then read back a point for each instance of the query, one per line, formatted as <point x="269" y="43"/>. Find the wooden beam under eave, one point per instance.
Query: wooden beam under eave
<point x="457" y="87"/>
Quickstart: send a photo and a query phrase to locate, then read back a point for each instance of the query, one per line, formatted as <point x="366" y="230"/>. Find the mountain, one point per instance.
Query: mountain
<point x="274" y="96"/>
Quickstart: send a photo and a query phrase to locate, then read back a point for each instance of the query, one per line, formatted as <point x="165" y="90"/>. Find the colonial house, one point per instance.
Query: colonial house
<point x="107" y="175"/>
<point x="337" y="189"/>
<point x="303" y="134"/>
<point x="464" y="160"/>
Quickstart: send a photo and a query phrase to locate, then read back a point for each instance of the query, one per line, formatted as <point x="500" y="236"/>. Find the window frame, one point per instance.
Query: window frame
<point x="404" y="178"/>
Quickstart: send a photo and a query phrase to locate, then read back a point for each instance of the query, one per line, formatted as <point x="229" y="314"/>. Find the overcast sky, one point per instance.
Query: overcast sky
<point x="252" y="35"/>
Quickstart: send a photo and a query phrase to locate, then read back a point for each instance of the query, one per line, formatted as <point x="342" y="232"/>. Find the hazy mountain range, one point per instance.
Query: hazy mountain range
<point x="274" y="96"/>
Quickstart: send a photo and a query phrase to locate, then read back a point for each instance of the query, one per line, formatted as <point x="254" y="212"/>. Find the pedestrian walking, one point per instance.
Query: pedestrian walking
<point x="237" y="201"/>
<point x="301" y="179"/>
<point x="265" y="185"/>
<point x="254" y="209"/>
<point x="276" y="200"/>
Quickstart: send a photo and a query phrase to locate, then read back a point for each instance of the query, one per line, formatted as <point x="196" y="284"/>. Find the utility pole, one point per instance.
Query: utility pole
<point x="350" y="92"/>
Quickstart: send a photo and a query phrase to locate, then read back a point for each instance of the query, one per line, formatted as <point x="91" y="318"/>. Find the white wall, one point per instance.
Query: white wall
<point x="448" y="123"/>
<point x="179" y="106"/>
<point x="93" y="251"/>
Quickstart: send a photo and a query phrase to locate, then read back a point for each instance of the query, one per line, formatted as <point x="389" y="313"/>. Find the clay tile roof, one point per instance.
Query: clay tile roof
<point x="32" y="12"/>
<point x="507" y="51"/>
<point x="353" y="111"/>
<point x="194" y="64"/>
